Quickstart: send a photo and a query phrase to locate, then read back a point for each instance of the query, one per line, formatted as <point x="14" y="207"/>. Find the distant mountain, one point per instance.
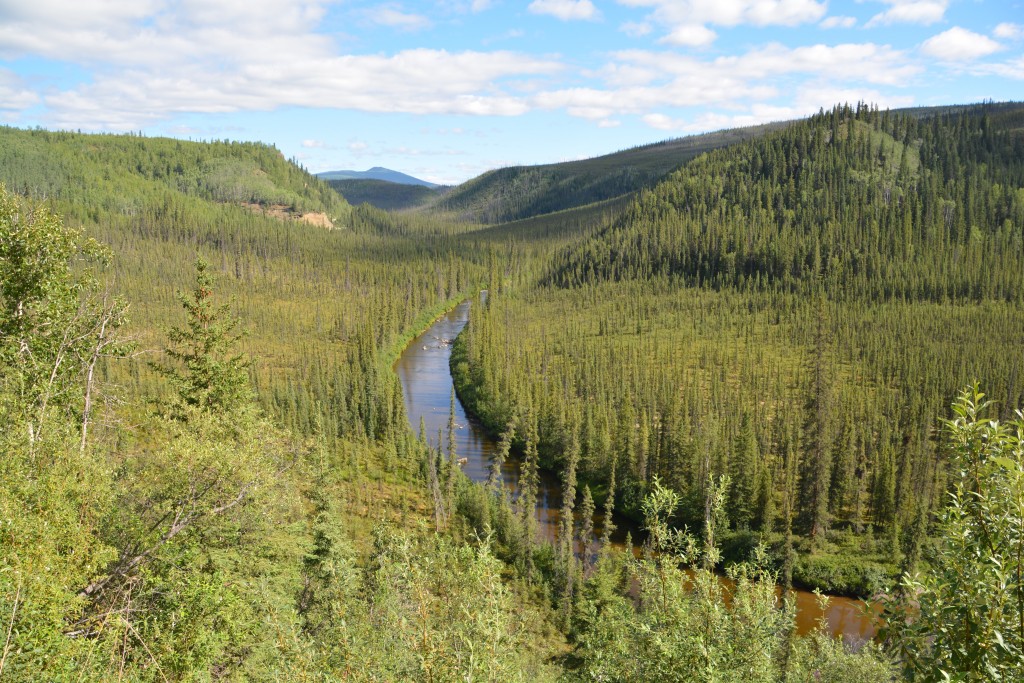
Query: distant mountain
<point x="376" y="173"/>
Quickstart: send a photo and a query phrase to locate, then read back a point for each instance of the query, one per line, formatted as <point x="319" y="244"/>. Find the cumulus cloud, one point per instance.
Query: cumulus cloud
<point x="314" y="144"/>
<point x="690" y="35"/>
<point x="566" y="10"/>
<point x="1008" y="31"/>
<point x="959" y="45"/>
<point x="145" y="33"/>
<point x="687" y="21"/>
<point x="153" y="61"/>
<point x="412" y="81"/>
<point x="642" y="82"/>
<point x="910" y="12"/>
<point x="661" y="122"/>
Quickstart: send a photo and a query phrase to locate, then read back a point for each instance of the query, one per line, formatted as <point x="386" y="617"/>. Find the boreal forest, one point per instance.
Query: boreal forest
<point x="713" y="374"/>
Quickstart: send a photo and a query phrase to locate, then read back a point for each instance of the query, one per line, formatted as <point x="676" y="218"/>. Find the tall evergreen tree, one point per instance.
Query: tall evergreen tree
<point x="743" y="476"/>
<point x="817" y="466"/>
<point x="206" y="372"/>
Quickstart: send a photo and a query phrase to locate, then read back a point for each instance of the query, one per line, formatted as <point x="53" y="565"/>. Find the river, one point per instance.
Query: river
<point x="427" y="385"/>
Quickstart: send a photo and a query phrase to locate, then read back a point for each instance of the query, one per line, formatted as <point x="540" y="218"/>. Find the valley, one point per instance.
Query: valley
<point x="234" y="451"/>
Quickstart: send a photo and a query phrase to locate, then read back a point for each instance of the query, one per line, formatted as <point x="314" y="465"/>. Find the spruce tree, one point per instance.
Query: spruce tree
<point x="586" y="526"/>
<point x="743" y="475"/>
<point x="817" y="467"/>
<point x="206" y="372"/>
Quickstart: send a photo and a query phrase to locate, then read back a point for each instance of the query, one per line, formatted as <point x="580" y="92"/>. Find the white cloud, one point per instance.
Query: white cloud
<point x="480" y="5"/>
<point x="910" y="12"/>
<point x="640" y="82"/>
<point x="414" y="81"/>
<point x="144" y="34"/>
<point x="661" y="122"/>
<point x="959" y="45"/>
<point x="838" y="22"/>
<point x="687" y="20"/>
<point x="869" y="62"/>
<point x="155" y="61"/>
<point x="734" y="12"/>
<point x="1013" y="68"/>
<point x="566" y="10"/>
<point x="158" y="60"/>
<point x="690" y="35"/>
<point x="807" y="100"/>
<point x="1008" y="31"/>
<point x="627" y="74"/>
<point x="608" y="123"/>
<point x="395" y="18"/>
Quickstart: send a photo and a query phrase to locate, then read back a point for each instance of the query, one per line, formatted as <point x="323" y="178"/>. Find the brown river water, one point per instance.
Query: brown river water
<point x="427" y="384"/>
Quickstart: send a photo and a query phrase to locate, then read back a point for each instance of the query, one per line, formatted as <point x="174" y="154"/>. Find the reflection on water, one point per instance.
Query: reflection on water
<point x="427" y="385"/>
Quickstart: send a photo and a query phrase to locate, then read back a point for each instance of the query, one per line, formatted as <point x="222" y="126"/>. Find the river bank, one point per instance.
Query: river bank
<point x="424" y="369"/>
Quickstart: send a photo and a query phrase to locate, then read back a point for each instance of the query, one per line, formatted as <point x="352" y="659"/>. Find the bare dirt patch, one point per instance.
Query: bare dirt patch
<point x="285" y="213"/>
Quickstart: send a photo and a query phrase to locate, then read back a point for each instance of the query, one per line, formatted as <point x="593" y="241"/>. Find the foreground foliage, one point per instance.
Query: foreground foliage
<point x="189" y="537"/>
<point x="963" y="620"/>
<point x="649" y="619"/>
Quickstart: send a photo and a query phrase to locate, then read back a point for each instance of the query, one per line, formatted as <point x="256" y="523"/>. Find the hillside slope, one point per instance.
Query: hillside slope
<point x="383" y="194"/>
<point x="517" y="192"/>
<point x="91" y="174"/>
<point x="886" y="204"/>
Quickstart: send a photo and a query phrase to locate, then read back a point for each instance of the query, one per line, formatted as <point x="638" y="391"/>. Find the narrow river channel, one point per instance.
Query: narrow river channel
<point x="427" y="384"/>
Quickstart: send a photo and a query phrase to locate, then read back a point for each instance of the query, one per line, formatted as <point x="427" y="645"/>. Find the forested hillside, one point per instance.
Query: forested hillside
<point x="795" y="312"/>
<point x="518" y="192"/>
<point x="94" y="177"/>
<point x="863" y="204"/>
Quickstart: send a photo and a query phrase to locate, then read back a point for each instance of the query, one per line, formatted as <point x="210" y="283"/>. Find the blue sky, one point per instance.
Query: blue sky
<point x="446" y="89"/>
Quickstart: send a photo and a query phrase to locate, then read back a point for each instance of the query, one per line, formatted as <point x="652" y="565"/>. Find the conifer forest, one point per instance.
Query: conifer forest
<point x="711" y="373"/>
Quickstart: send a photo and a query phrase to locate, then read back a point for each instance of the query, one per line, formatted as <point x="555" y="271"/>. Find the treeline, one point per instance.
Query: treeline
<point x="816" y="386"/>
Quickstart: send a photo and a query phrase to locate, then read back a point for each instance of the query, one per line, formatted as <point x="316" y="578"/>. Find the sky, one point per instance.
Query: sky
<point x="447" y="89"/>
